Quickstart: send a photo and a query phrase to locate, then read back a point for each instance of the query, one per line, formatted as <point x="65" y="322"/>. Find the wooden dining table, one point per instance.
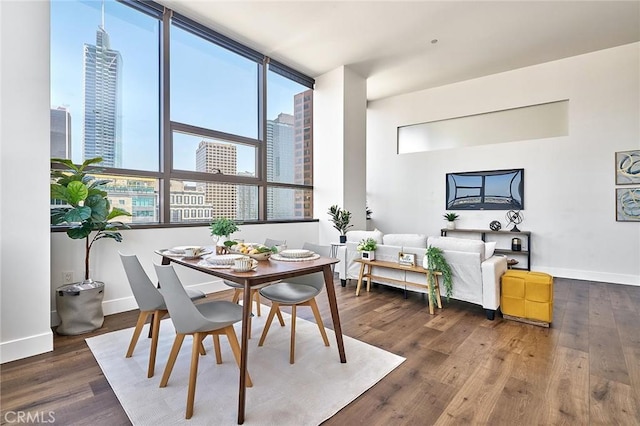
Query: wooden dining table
<point x="267" y="271"/>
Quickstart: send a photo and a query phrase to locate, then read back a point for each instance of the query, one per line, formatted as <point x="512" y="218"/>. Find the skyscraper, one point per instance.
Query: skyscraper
<point x="102" y="98"/>
<point x="303" y="151"/>
<point x="60" y="133"/>
<point x="216" y="157"/>
<point x="280" y="165"/>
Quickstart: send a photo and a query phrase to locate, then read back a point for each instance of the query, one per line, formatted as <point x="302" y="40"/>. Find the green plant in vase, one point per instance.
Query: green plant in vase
<point x="451" y="218"/>
<point x="437" y="262"/>
<point x="222" y="228"/>
<point x="340" y="219"/>
<point x="367" y="247"/>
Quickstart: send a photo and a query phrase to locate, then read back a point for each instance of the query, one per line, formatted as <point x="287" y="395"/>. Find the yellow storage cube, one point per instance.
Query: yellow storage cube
<point x="527" y="296"/>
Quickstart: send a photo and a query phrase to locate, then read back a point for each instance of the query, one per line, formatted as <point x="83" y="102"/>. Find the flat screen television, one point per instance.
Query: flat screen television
<point x="488" y="190"/>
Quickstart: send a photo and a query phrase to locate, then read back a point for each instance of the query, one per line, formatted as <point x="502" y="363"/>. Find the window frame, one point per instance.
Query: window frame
<point x="166" y="173"/>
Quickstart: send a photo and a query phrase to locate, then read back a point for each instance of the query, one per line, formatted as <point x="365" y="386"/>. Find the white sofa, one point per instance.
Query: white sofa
<point x="476" y="270"/>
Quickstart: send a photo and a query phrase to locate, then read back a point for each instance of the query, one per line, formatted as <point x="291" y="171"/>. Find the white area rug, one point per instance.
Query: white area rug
<point x="306" y="393"/>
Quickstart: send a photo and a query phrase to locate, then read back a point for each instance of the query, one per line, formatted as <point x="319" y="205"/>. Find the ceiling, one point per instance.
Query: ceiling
<point x="392" y="43"/>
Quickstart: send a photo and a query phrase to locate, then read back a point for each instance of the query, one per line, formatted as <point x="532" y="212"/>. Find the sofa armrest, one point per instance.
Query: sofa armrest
<point x="492" y="270"/>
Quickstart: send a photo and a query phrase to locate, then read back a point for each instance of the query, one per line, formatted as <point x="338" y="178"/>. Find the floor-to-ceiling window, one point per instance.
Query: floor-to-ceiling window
<point x="190" y="124"/>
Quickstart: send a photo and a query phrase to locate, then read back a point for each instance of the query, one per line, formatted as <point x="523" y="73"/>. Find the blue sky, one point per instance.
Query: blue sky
<point x="211" y="87"/>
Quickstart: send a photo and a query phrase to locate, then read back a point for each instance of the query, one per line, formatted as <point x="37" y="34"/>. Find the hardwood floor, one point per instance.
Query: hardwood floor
<point x="460" y="367"/>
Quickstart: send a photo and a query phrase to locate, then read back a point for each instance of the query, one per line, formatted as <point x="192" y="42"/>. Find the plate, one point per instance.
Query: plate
<point x="223" y="259"/>
<point x="257" y="256"/>
<point x="234" y="269"/>
<point x="296" y="253"/>
<point x="198" y="256"/>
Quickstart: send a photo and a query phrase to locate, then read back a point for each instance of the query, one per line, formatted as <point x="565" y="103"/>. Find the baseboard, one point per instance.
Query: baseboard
<point x="115" y="306"/>
<point x="26" y="347"/>
<point x="606" y="277"/>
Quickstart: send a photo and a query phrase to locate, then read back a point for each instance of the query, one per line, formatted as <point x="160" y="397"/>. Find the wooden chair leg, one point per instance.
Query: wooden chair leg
<point x="177" y="344"/>
<point x="193" y="373"/>
<point x="292" y="349"/>
<point x="256" y="294"/>
<point x="316" y="314"/>
<point x="142" y="318"/>
<point x="267" y="324"/>
<point x="280" y="319"/>
<point x="236" y="295"/>
<point x="216" y="346"/>
<point x="235" y="348"/>
<point x="155" y="331"/>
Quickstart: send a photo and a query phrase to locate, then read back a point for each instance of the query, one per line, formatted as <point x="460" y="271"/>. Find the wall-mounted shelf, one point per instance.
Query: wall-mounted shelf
<point x="502" y="247"/>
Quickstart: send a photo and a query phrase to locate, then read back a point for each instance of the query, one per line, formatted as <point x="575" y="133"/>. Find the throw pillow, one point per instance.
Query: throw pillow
<point x="357" y="236"/>
<point x="489" y="248"/>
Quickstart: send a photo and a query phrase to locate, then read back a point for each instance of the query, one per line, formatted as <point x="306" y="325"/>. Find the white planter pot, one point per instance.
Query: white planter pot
<point x="451" y="225"/>
<point x="425" y="262"/>
<point x="368" y="255"/>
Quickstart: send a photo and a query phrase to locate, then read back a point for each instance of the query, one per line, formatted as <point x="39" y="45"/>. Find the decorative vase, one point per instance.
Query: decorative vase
<point x="368" y="255"/>
<point x="451" y="225"/>
<point x="343" y="239"/>
<point x="220" y="240"/>
<point x="425" y="262"/>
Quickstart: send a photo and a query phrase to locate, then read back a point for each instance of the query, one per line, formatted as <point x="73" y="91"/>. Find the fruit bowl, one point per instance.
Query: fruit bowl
<point x="254" y="250"/>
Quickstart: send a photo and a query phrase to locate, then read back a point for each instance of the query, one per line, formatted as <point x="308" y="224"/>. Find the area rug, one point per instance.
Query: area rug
<point x="306" y="393"/>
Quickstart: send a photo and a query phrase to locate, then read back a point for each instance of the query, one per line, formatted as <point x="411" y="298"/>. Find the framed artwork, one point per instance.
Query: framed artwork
<point x="628" y="204"/>
<point x="628" y="167"/>
<point x="408" y="259"/>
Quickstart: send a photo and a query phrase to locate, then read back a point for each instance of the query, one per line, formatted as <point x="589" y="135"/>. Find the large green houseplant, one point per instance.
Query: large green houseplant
<point x="82" y="206"/>
<point x="341" y="220"/>
<point x="86" y="209"/>
<point x="437" y="262"/>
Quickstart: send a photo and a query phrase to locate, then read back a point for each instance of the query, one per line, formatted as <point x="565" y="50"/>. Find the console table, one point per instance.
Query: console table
<point x="365" y="273"/>
<point x="525" y="253"/>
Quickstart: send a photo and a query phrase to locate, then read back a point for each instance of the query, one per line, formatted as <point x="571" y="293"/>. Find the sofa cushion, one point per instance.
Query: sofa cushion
<point x="408" y="240"/>
<point x="357" y="236"/>
<point x="459" y="244"/>
<point x="489" y="249"/>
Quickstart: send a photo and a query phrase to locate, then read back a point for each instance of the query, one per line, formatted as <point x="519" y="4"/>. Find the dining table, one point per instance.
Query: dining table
<point x="268" y="270"/>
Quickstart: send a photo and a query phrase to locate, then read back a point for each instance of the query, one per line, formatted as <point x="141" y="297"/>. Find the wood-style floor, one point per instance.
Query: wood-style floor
<point x="461" y="368"/>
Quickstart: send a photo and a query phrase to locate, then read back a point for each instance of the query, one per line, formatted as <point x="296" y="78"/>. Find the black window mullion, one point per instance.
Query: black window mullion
<point x="166" y="148"/>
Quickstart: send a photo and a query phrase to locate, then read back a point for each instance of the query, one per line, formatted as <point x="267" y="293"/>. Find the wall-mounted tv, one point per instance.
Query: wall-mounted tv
<point x="488" y="190"/>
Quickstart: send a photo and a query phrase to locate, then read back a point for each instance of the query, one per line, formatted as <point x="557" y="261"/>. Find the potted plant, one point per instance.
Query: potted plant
<point x="89" y="216"/>
<point x="434" y="260"/>
<point x="221" y="229"/>
<point x="367" y="248"/>
<point x="451" y="218"/>
<point x="340" y="219"/>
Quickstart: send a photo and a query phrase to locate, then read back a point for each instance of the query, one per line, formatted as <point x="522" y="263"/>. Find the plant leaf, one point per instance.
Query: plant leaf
<point x="58" y="215"/>
<point x="58" y="192"/>
<point x="76" y="192"/>
<point x="117" y="212"/>
<point x="77" y="214"/>
<point x="79" y="232"/>
<point x="99" y="207"/>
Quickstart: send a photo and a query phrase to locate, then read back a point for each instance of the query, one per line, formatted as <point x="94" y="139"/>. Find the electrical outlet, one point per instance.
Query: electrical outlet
<point x="67" y="277"/>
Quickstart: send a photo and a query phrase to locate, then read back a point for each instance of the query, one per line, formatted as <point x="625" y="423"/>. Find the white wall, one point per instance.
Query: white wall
<point x="68" y="255"/>
<point x="569" y="181"/>
<point x="24" y="180"/>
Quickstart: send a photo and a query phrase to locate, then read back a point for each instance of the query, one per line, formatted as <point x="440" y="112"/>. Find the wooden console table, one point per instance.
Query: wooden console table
<point x="369" y="264"/>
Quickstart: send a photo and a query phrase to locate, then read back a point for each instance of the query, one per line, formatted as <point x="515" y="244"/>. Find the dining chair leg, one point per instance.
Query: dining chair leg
<point x="316" y="314"/>
<point x="216" y="346"/>
<point x="177" y="344"/>
<point x="274" y="308"/>
<point x="193" y="373"/>
<point x="155" y="331"/>
<point x="292" y="350"/>
<point x="256" y="294"/>
<point x="236" y="295"/>
<point x="280" y="319"/>
<point x="142" y="318"/>
<point x="235" y="348"/>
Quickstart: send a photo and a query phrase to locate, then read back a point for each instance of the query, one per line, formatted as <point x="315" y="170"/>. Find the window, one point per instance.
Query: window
<point x="107" y="94"/>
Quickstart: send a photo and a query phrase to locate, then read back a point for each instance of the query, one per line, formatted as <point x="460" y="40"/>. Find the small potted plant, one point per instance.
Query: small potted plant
<point x="367" y="248"/>
<point x="221" y="229"/>
<point x="434" y="260"/>
<point x="340" y="219"/>
<point x="451" y="218"/>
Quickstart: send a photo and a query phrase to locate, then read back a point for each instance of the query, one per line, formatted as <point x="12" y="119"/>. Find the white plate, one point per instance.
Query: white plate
<point x="296" y="253"/>
<point x="223" y="259"/>
<point x="234" y="269"/>
<point x="181" y="249"/>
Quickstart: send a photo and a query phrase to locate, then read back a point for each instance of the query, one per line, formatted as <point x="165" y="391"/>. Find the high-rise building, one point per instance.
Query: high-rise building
<point x="303" y="151"/>
<point x="280" y="165"/>
<point x="216" y="157"/>
<point x="102" y="98"/>
<point x="60" y="133"/>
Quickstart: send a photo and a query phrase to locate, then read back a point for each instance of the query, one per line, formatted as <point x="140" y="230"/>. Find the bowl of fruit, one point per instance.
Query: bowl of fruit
<point x="254" y="250"/>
